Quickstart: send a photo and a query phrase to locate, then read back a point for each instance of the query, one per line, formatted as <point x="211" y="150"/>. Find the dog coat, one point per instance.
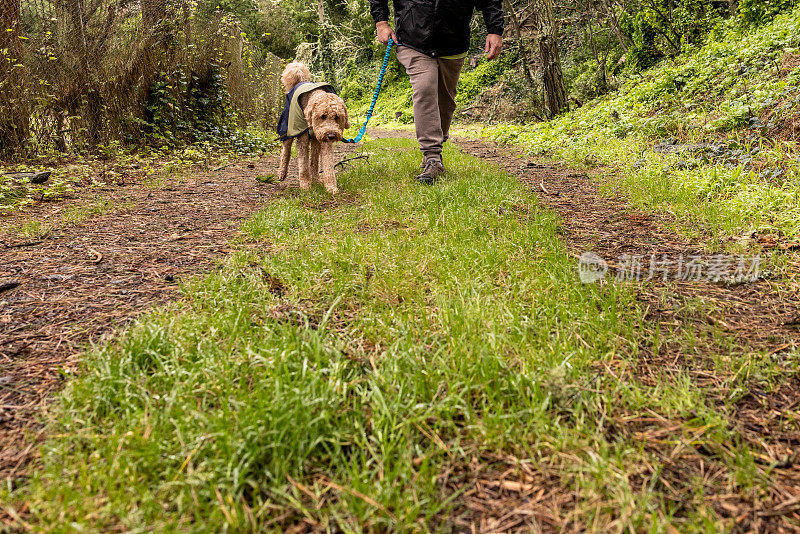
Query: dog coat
<point x="293" y="121"/>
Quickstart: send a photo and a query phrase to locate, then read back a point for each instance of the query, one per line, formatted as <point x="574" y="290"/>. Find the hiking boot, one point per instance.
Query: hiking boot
<point x="431" y="170"/>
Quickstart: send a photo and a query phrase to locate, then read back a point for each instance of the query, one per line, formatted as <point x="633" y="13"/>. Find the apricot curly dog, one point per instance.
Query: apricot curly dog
<point x="316" y="117"/>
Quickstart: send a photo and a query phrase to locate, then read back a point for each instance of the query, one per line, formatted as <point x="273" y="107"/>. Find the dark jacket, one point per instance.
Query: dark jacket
<point x="438" y="27"/>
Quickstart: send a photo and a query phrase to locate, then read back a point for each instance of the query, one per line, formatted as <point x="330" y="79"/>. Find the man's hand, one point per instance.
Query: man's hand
<point x="385" y="32"/>
<point x="494" y="45"/>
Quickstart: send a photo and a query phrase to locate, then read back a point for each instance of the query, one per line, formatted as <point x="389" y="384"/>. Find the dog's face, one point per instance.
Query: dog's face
<point x="327" y="116"/>
<point x="294" y="73"/>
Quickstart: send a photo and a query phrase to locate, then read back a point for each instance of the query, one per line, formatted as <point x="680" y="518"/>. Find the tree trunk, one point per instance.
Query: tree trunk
<point x="79" y="34"/>
<point x="324" y="44"/>
<point x="555" y="93"/>
<point x="527" y="56"/>
<point x="91" y="103"/>
<point x="733" y="7"/>
<point x="624" y="39"/>
<point x="601" y="62"/>
<point x="13" y="106"/>
<point x="153" y="12"/>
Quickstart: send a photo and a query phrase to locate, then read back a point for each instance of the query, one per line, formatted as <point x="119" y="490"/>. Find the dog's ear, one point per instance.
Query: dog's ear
<point x="309" y="109"/>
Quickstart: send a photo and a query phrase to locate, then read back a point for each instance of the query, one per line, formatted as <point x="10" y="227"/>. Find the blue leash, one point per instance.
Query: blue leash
<point x="363" y="129"/>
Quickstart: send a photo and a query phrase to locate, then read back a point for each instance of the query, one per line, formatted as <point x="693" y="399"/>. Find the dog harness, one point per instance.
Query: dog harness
<point x="292" y="122"/>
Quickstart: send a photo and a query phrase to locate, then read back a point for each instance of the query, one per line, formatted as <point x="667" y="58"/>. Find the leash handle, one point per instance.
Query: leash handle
<point x="386" y="57"/>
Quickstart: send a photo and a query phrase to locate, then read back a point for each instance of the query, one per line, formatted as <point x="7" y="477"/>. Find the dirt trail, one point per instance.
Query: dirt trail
<point x="86" y="280"/>
<point x="748" y="318"/>
<point x="757" y="314"/>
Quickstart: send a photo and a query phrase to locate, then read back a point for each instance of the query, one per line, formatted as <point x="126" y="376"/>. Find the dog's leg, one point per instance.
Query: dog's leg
<point x="313" y="159"/>
<point x="326" y="162"/>
<point x="302" y="162"/>
<point x="286" y="155"/>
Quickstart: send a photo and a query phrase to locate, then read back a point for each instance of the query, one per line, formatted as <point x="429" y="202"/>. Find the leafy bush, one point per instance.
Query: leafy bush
<point x="483" y="76"/>
<point x="665" y="27"/>
<point x="588" y="81"/>
<point x="760" y="11"/>
<point x="722" y="95"/>
<point x="186" y="105"/>
<point x="644" y="52"/>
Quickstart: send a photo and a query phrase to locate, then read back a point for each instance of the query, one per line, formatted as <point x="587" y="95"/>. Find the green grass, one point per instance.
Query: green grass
<point x="32" y="229"/>
<point x="706" y="94"/>
<point x="97" y="206"/>
<point x="384" y="338"/>
<point x="70" y="216"/>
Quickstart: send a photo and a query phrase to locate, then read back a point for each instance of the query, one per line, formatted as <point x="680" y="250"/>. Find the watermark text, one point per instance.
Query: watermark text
<point x="665" y="268"/>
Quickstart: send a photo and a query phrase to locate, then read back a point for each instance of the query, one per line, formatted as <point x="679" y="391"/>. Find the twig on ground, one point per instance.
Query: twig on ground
<point x="99" y="257"/>
<point x="347" y="160"/>
<point x="355" y="493"/>
<point x="20" y="245"/>
<point x="303" y="488"/>
<point x="779" y="349"/>
<point x="541" y="185"/>
<point x="783" y="508"/>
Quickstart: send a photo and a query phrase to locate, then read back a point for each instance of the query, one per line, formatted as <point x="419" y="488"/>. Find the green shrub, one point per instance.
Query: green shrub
<point x="701" y="96"/>
<point x="644" y="52"/>
<point x="187" y="106"/>
<point x="588" y="81"/>
<point x="483" y="76"/>
<point x="666" y="27"/>
<point x="760" y="11"/>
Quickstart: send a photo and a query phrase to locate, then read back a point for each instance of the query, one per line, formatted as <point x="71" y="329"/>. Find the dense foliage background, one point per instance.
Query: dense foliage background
<point x="80" y="76"/>
<point x="602" y="43"/>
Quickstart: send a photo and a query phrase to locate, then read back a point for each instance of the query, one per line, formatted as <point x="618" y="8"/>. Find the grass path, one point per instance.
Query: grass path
<point x="402" y="358"/>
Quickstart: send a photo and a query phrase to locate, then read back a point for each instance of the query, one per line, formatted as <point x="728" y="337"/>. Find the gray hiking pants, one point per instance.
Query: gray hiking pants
<point x="434" y="83"/>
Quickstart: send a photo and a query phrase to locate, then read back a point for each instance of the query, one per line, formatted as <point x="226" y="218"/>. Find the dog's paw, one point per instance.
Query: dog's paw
<point x="332" y="190"/>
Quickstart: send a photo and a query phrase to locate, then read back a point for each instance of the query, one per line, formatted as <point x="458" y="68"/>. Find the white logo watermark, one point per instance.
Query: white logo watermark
<point x="592" y="268"/>
<point x="693" y="268"/>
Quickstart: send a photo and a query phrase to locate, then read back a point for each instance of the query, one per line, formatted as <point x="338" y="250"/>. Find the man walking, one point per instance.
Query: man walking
<point x="435" y="35"/>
